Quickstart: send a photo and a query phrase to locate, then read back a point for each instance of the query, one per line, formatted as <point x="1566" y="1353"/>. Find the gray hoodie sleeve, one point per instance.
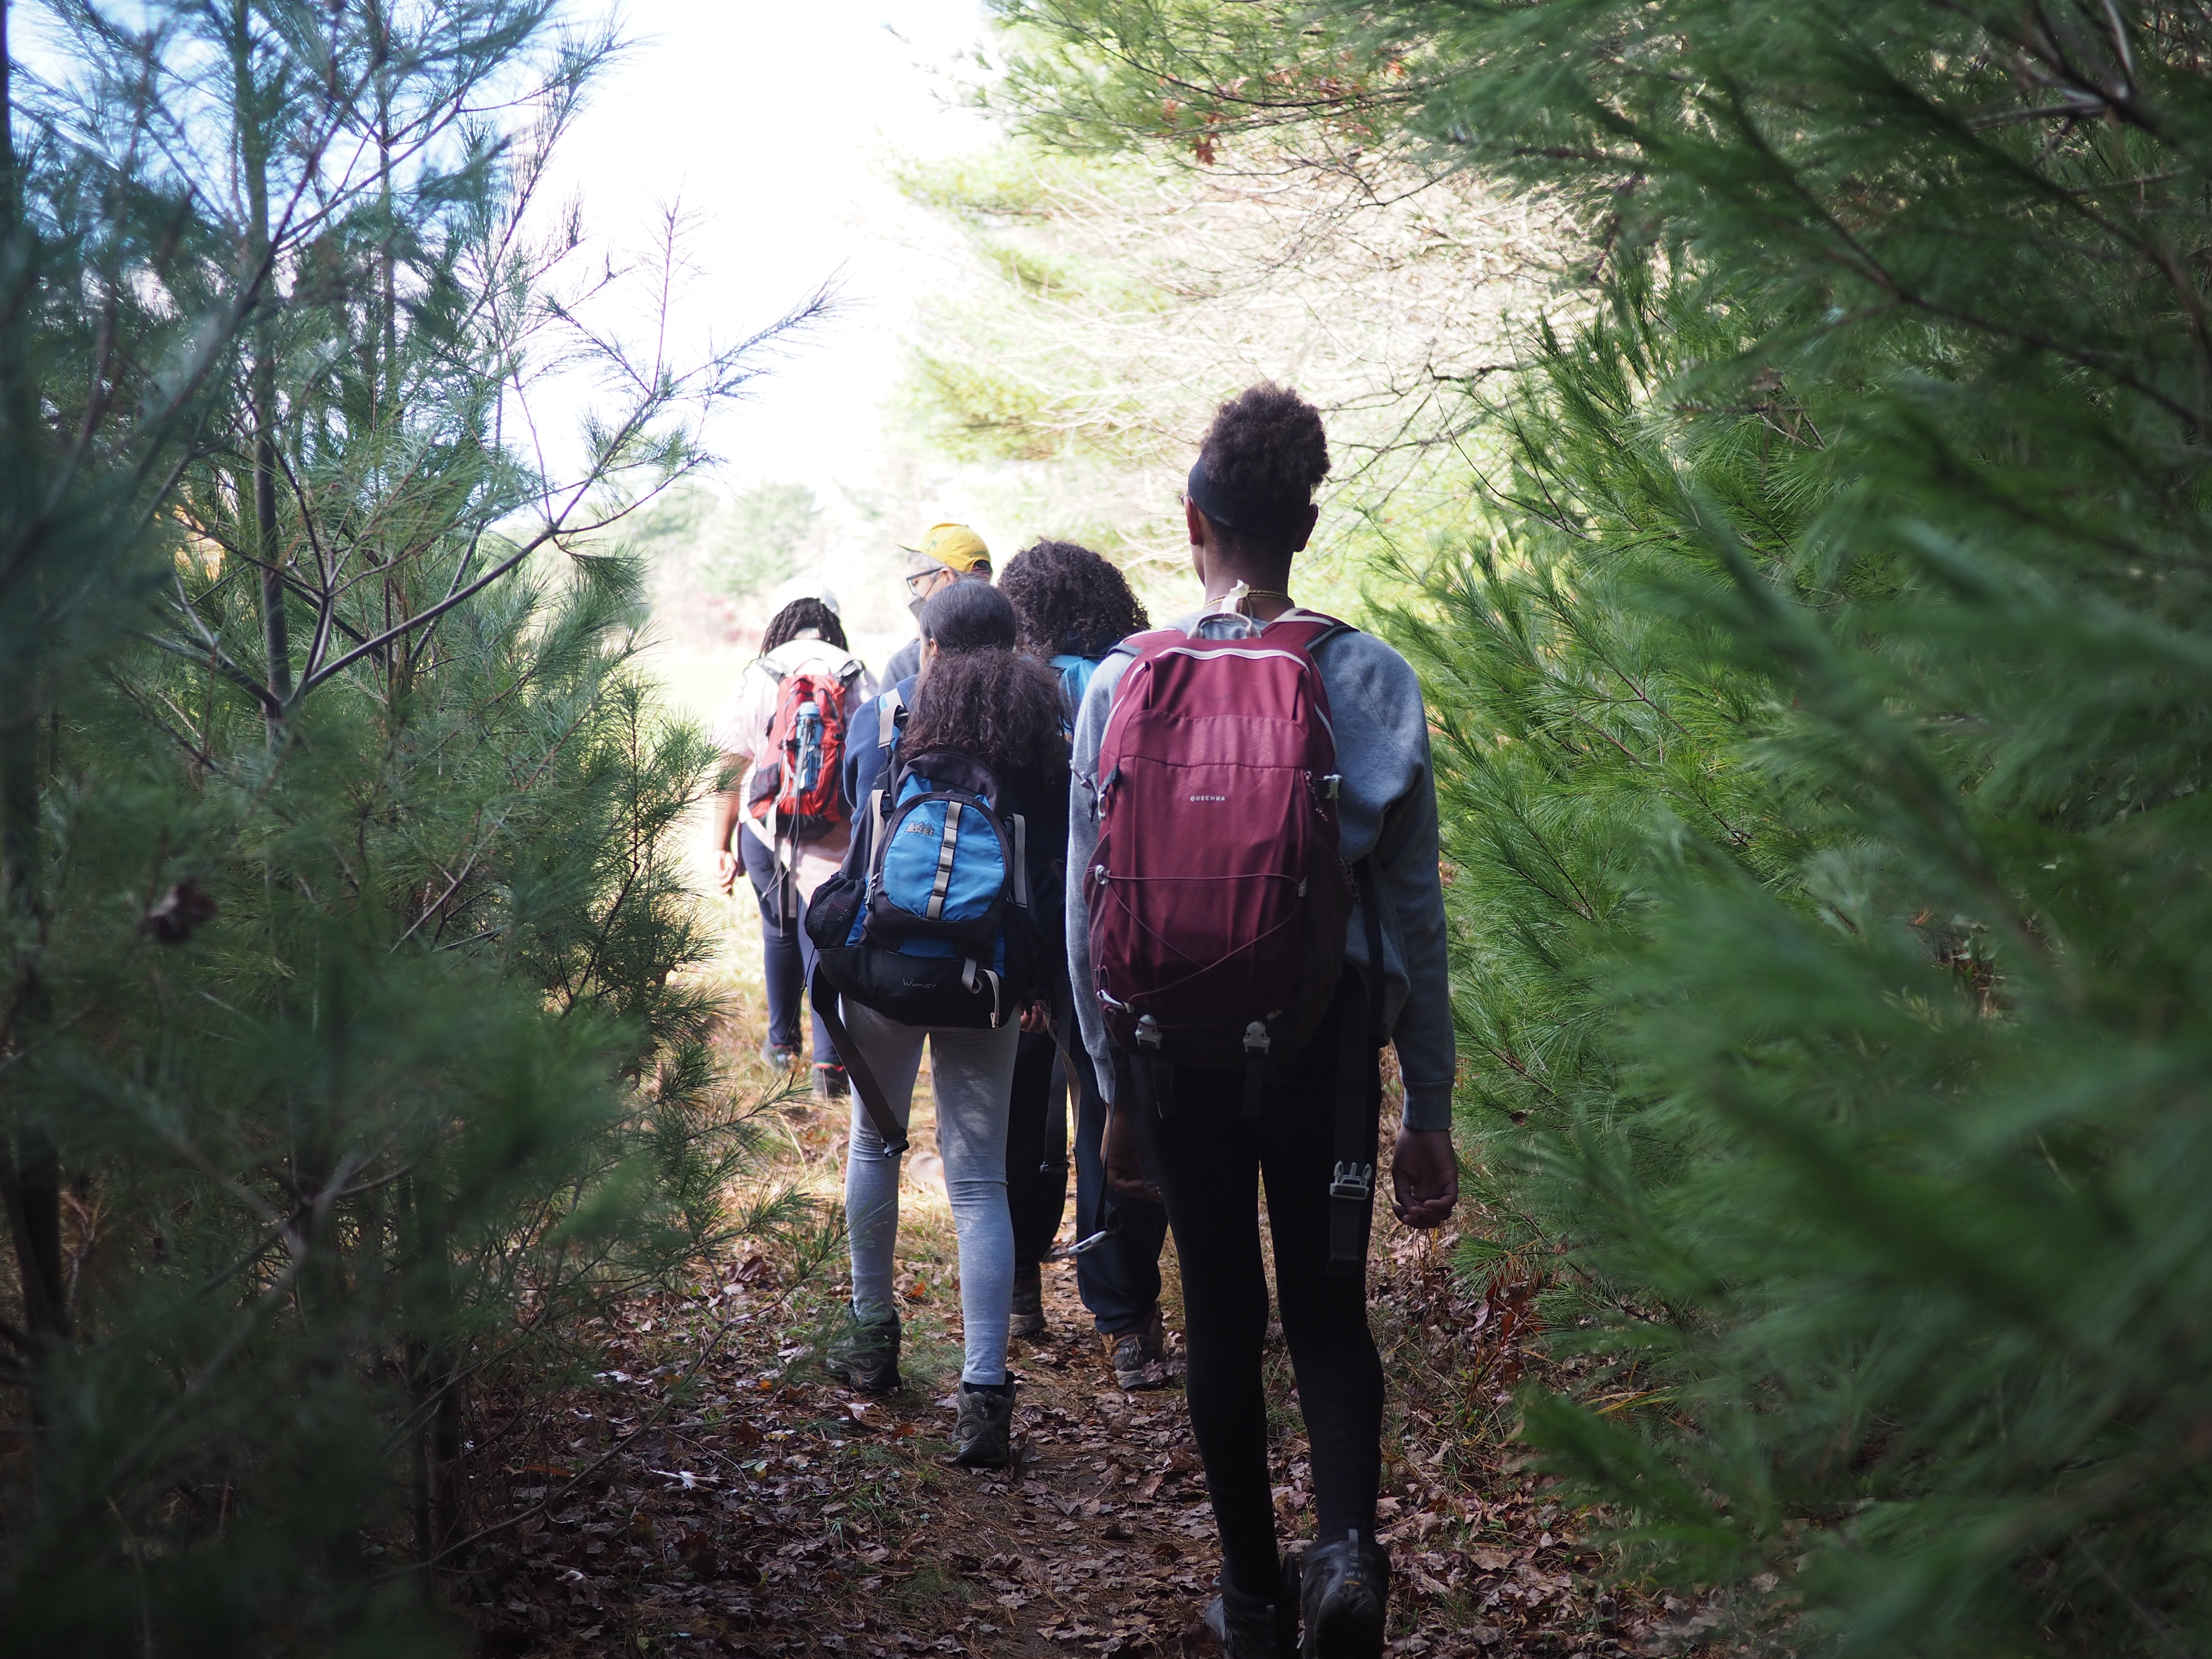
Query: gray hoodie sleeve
<point x="1387" y="811"/>
<point x="1082" y="843"/>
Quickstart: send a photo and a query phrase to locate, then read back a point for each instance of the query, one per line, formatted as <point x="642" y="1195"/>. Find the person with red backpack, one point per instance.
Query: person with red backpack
<point x="785" y="823"/>
<point x="1254" y="907"/>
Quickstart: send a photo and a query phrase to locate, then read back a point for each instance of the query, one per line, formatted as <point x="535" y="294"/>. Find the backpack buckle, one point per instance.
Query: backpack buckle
<point x="1352" y="1180"/>
<point x="1148" y="1033"/>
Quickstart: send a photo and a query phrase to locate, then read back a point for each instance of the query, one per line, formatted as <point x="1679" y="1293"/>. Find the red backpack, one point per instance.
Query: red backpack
<point x="1217" y="898"/>
<point x="794" y="789"/>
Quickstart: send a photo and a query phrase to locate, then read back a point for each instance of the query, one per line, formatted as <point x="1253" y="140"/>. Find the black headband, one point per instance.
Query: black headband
<point x="1241" y="513"/>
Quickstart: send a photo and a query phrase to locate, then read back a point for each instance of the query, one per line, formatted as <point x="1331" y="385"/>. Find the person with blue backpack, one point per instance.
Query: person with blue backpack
<point x="1256" y="907"/>
<point x="940" y="929"/>
<point x="1075" y="607"/>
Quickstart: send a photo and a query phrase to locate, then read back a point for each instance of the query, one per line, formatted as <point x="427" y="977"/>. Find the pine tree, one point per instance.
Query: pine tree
<point x="1856" y="1059"/>
<point x="346" y="1060"/>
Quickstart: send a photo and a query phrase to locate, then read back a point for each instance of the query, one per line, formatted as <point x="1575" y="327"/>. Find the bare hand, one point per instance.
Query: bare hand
<point x="726" y="866"/>
<point x="1125" y="1162"/>
<point x="1036" y="1019"/>
<point x="1424" y="1176"/>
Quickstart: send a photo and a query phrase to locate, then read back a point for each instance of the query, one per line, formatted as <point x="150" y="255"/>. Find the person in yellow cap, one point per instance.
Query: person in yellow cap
<point x="942" y="554"/>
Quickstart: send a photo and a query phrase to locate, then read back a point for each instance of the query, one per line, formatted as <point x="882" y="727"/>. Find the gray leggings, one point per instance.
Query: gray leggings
<point x="973" y="1075"/>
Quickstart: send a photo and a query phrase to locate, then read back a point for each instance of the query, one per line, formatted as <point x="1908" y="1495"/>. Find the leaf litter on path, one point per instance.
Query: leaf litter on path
<point x="749" y="1505"/>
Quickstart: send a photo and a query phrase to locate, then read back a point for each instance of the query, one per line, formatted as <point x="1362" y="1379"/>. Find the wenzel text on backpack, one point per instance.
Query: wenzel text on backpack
<point x="1218" y="897"/>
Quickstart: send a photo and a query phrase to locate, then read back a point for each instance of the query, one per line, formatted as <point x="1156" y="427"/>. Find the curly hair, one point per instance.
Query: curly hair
<point x="981" y="697"/>
<point x="1267" y="446"/>
<point x="1068" y="599"/>
<point x="795" y="618"/>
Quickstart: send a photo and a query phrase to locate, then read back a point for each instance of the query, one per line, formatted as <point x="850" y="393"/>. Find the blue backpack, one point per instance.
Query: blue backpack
<point x="928" y="923"/>
<point x="1075" y="674"/>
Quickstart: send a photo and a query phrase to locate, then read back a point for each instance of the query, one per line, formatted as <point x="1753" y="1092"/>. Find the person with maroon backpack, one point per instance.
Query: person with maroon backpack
<point x="785" y="822"/>
<point x="1254" y="907"/>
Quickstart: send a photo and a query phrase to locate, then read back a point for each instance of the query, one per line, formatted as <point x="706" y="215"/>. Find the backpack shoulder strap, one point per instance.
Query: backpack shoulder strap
<point x="887" y="711"/>
<point x="1305" y="629"/>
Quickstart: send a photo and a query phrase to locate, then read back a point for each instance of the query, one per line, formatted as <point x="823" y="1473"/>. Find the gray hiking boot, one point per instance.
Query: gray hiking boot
<point x="987" y="1425"/>
<point x="865" y="1353"/>
<point x="1346" y="1594"/>
<point x="1139" y="1357"/>
<point x="1028" y="1302"/>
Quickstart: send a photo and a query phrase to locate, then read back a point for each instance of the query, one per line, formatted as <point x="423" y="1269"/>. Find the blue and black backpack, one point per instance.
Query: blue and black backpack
<point x="929" y="921"/>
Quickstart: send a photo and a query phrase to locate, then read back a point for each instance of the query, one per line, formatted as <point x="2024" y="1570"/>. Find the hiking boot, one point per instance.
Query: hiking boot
<point x="1247" y="1627"/>
<point x="830" y="1083"/>
<point x="1028" y="1318"/>
<point x="1346" y="1592"/>
<point x="778" y="1057"/>
<point x="1139" y="1357"/>
<point x="865" y="1353"/>
<point x="987" y="1425"/>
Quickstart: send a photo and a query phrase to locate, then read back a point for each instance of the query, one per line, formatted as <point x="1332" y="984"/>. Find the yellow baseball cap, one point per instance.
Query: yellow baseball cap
<point x="955" y="546"/>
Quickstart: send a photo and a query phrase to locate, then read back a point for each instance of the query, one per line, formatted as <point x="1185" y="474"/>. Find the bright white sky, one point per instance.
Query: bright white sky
<point x="772" y="124"/>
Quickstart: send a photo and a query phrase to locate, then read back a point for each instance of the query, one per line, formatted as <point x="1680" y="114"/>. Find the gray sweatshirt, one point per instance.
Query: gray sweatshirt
<point x="1388" y="808"/>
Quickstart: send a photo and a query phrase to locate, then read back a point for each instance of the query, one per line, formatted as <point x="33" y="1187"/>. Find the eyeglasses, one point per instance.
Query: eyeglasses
<point x="914" y="582"/>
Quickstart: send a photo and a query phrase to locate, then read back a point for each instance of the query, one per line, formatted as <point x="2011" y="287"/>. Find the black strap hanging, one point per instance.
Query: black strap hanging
<point x="869" y="1092"/>
<point x="1358" y="1103"/>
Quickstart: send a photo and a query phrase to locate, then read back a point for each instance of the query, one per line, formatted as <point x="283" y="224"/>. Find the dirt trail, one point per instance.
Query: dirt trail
<point x="708" y="1490"/>
<point x="712" y="1491"/>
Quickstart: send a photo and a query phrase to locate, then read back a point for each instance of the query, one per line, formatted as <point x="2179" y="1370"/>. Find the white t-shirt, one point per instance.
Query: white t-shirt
<point x="740" y="730"/>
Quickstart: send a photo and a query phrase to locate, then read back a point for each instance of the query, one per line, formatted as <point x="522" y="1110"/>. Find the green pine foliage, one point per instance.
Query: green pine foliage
<point x="348" y="1064"/>
<point x="1824" y="743"/>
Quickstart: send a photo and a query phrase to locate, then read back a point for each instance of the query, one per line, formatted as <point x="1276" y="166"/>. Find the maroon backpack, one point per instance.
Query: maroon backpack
<point x="1218" y="897"/>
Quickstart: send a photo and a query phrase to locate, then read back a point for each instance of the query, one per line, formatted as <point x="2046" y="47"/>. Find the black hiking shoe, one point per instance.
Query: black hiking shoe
<point x="1346" y="1593"/>
<point x="1028" y="1318"/>
<point x="987" y="1425"/>
<point x="829" y="1084"/>
<point x="1247" y="1627"/>
<point x="865" y="1353"/>
<point x="1139" y="1357"/>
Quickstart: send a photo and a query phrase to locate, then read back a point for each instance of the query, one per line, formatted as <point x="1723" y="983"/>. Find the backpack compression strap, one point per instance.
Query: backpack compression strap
<point x="1352" y="1184"/>
<point x="862" y="1075"/>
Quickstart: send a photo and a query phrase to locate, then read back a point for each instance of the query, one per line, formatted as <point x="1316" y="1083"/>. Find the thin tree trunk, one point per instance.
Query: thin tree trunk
<point x="30" y="1171"/>
<point x="261" y="392"/>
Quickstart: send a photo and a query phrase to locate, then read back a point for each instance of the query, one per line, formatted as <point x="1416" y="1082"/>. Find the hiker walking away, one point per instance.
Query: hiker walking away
<point x="1075" y="607"/>
<point x="1228" y="772"/>
<point x="939" y="929"/>
<point x="785" y="821"/>
<point x="942" y="554"/>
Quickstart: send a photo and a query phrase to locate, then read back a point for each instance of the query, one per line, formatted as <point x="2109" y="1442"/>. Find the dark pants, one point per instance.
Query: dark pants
<point x="787" y="954"/>
<point x="1036" y="1170"/>
<point x="1210" y="1159"/>
<point x="1120" y="1280"/>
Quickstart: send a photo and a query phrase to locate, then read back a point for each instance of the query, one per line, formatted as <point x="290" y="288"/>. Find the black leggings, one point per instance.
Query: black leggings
<point x="1209" y="1160"/>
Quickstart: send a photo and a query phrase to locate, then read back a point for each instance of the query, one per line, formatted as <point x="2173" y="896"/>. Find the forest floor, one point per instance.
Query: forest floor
<point x="709" y="1490"/>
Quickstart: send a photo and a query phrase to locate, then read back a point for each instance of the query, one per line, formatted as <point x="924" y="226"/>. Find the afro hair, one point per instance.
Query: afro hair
<point x="1267" y="446"/>
<point x="1070" y="599"/>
